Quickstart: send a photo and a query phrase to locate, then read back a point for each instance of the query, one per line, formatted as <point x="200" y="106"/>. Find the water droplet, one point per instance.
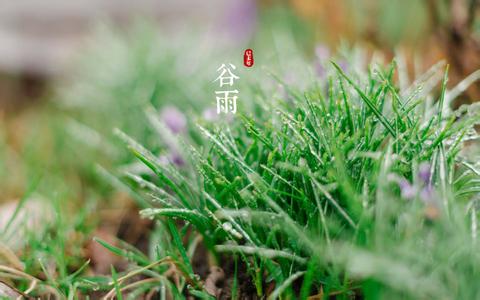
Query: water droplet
<point x="227" y="226"/>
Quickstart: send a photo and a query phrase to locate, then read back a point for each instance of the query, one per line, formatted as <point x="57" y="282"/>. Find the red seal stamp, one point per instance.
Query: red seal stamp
<point x="248" y="58"/>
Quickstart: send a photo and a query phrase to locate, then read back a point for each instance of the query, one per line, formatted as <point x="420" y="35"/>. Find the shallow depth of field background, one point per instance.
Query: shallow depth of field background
<point x="54" y="51"/>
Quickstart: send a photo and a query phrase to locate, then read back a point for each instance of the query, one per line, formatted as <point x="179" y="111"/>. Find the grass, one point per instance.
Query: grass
<point x="345" y="185"/>
<point x="310" y="192"/>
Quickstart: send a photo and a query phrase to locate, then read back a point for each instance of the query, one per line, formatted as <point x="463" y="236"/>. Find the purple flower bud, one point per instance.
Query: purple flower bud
<point x="322" y="52"/>
<point x="427" y="194"/>
<point x="210" y="114"/>
<point x="174" y="119"/>
<point x="177" y="159"/>
<point x="424" y="173"/>
<point x="430" y="199"/>
<point x="407" y="190"/>
<point x="172" y="157"/>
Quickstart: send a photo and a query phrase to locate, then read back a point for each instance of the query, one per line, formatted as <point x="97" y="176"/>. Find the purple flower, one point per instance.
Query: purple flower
<point x="172" y="157"/>
<point x="430" y="199"/>
<point x="407" y="190"/>
<point x="424" y="173"/>
<point x="174" y="119"/>
<point x="210" y="114"/>
<point x="177" y="159"/>
<point x="322" y="52"/>
<point x="427" y="195"/>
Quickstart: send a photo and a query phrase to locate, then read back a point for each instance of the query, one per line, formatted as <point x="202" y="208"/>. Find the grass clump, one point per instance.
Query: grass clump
<point x="351" y="187"/>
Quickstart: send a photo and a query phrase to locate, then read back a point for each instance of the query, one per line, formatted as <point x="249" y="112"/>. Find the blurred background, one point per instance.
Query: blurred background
<point x="70" y="72"/>
<point x="39" y="39"/>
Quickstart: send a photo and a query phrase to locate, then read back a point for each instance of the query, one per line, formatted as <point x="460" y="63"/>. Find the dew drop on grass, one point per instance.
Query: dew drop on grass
<point x="227" y="226"/>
